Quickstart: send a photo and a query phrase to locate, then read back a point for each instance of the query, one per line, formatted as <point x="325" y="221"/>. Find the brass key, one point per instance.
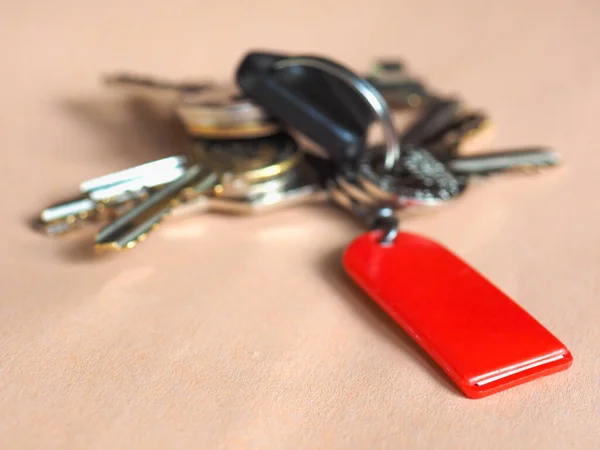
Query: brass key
<point x="224" y="113"/>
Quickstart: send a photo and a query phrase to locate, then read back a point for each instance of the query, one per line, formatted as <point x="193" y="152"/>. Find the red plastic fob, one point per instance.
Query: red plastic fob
<point x="482" y="339"/>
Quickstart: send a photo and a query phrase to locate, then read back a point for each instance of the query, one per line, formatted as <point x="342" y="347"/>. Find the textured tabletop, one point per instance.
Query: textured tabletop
<point x="244" y="333"/>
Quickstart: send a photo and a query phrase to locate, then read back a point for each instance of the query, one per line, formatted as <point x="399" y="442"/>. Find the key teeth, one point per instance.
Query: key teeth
<point x="106" y="247"/>
<point x="59" y="227"/>
<point x="103" y="247"/>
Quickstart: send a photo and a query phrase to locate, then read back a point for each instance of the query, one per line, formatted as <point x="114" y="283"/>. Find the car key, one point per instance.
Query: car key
<point x="318" y="105"/>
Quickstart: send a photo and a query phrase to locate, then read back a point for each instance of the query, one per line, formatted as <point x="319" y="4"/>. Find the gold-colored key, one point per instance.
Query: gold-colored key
<point x="224" y="113"/>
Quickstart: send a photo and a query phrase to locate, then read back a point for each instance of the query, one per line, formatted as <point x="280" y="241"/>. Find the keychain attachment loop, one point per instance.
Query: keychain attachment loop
<point x="362" y="87"/>
<point x="385" y="219"/>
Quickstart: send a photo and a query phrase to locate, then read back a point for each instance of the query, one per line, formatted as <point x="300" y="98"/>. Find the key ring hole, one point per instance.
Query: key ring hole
<point x="385" y="220"/>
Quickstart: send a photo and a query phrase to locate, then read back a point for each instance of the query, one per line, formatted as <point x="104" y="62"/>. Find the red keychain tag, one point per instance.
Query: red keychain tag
<point x="482" y="339"/>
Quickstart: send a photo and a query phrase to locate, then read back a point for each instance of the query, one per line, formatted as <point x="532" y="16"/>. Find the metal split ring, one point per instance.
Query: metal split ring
<point x="362" y="87"/>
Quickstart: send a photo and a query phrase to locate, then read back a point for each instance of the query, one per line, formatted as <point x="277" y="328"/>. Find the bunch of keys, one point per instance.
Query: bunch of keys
<point x="243" y="158"/>
<point x="238" y="161"/>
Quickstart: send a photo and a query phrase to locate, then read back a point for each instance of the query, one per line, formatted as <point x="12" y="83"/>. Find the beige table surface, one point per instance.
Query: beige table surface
<point x="225" y="332"/>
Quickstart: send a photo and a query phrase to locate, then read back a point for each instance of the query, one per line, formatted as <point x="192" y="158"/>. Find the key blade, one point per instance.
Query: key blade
<point x="59" y="211"/>
<point x="440" y="114"/>
<point x="448" y="142"/>
<point x="526" y="160"/>
<point x="102" y="202"/>
<point x="382" y="68"/>
<point x="66" y="216"/>
<point x="135" y="188"/>
<point x="403" y="94"/>
<point x="151" y="83"/>
<point x="149" y="170"/>
<point x="134" y="225"/>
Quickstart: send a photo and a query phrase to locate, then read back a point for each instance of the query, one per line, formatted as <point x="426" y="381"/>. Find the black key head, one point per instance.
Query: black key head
<point x="319" y="105"/>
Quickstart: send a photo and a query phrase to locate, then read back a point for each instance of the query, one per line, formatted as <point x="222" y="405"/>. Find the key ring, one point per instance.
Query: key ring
<point x="362" y="87"/>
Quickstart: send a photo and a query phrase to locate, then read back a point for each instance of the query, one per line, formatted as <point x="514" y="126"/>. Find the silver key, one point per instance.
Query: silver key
<point x="527" y="160"/>
<point x="424" y="183"/>
<point x="107" y="196"/>
<point x="160" y="168"/>
<point x="247" y="166"/>
<point x="133" y="226"/>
